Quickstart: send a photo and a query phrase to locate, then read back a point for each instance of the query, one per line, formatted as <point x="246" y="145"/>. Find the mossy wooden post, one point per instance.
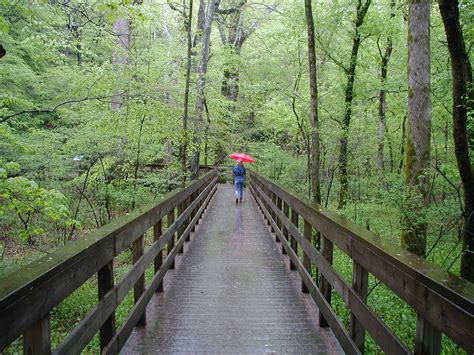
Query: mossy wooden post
<point x="279" y="206"/>
<point x="267" y="207"/>
<point x="286" y="211"/>
<point x="307" y="232"/>
<point x="170" y="221"/>
<point x="105" y="281"/>
<point x="428" y="338"/>
<point x="294" y="243"/>
<point x="360" y="282"/>
<point x="37" y="339"/>
<point x="139" y="288"/>
<point x="181" y="208"/>
<point x="324" y="286"/>
<point x="191" y="215"/>
<point x="157" y="232"/>
<point x="274" y="214"/>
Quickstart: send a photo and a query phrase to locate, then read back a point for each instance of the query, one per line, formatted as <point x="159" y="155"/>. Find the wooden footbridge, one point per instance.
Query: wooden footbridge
<point x="232" y="291"/>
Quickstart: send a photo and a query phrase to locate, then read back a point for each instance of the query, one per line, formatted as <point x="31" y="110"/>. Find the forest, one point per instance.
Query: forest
<point x="362" y="106"/>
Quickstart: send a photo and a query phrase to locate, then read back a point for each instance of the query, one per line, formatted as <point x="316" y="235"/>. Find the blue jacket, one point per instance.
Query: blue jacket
<point x="239" y="173"/>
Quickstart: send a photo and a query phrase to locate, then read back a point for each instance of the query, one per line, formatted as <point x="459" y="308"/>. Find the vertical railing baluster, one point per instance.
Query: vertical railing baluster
<point x="157" y="232"/>
<point x="428" y="338"/>
<point x="286" y="212"/>
<point x="190" y="218"/>
<point x="170" y="221"/>
<point x="360" y="282"/>
<point x="181" y="208"/>
<point x="267" y="192"/>
<point x="37" y="339"/>
<point x="194" y="196"/>
<point x="294" y="243"/>
<point x="279" y="202"/>
<point x="139" y="287"/>
<point x="105" y="281"/>
<point x="307" y="232"/>
<point x="324" y="286"/>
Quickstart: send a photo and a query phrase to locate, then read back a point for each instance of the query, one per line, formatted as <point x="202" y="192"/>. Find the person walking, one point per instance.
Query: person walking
<point x="239" y="180"/>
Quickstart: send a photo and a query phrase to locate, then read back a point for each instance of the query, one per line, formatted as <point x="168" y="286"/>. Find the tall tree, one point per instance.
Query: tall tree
<point x="313" y="88"/>
<point x="184" y="145"/>
<point x="232" y="20"/>
<point x="122" y="30"/>
<point x="463" y="101"/>
<point x="362" y="8"/>
<point x="384" y="59"/>
<point x="201" y="86"/>
<point x="419" y="127"/>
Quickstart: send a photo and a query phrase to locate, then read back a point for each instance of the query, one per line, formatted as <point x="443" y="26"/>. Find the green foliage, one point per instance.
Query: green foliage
<point x="28" y="206"/>
<point x="59" y="79"/>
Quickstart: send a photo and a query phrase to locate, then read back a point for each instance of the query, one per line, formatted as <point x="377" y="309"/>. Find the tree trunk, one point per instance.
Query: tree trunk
<point x="343" y="178"/>
<point x="121" y="28"/>
<point x="313" y="88"/>
<point x="234" y="39"/>
<point x="463" y="98"/>
<point x="184" y="145"/>
<point x="383" y="99"/>
<point x="202" y="71"/>
<point x="414" y="228"/>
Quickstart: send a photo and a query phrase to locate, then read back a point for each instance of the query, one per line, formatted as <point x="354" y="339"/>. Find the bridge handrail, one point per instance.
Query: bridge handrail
<point x="28" y="295"/>
<point x="443" y="302"/>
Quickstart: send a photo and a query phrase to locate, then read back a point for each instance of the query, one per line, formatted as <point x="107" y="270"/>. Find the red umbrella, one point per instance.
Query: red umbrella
<point x="243" y="157"/>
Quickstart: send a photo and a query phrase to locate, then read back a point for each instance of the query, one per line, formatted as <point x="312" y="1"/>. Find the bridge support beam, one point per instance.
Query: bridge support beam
<point x="307" y="232"/>
<point x="286" y="211"/>
<point x="360" y="283"/>
<point x="37" y="339"/>
<point x="105" y="281"/>
<point x="157" y="232"/>
<point x="170" y="221"/>
<point x="139" y="288"/>
<point x="293" y="241"/>
<point x="325" y="287"/>
<point x="428" y="338"/>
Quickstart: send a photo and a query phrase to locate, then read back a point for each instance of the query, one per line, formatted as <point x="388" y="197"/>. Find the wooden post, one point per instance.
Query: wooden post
<point x="324" y="286"/>
<point x="157" y="232"/>
<point x="194" y="196"/>
<point x="170" y="221"/>
<point x="181" y="208"/>
<point x="272" y="212"/>
<point x="428" y="338"/>
<point x="308" y="230"/>
<point x="105" y="280"/>
<point x="139" y="288"/>
<point x="286" y="211"/>
<point x="267" y="206"/>
<point x="37" y="339"/>
<point x="279" y="206"/>
<point x="294" y="243"/>
<point x="189" y="200"/>
<point x="360" y="283"/>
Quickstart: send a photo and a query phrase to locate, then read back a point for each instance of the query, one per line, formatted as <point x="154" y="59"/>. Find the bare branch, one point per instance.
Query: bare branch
<point x="50" y="110"/>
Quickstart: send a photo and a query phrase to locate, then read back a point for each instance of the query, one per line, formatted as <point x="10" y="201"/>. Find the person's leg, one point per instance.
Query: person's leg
<point x="241" y="190"/>
<point x="236" y="191"/>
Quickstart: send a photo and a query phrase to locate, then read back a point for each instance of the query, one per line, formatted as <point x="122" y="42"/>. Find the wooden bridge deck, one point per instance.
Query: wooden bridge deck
<point x="232" y="292"/>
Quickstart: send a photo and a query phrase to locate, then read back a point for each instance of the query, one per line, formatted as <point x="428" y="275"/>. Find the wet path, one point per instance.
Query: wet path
<point x="231" y="292"/>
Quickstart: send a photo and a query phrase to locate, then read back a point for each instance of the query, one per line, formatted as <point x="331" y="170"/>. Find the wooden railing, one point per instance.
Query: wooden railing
<point x="443" y="302"/>
<point x="28" y="295"/>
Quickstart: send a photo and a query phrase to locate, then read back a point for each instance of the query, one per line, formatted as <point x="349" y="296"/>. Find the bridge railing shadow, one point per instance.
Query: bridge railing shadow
<point x="442" y="301"/>
<point x="29" y="295"/>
